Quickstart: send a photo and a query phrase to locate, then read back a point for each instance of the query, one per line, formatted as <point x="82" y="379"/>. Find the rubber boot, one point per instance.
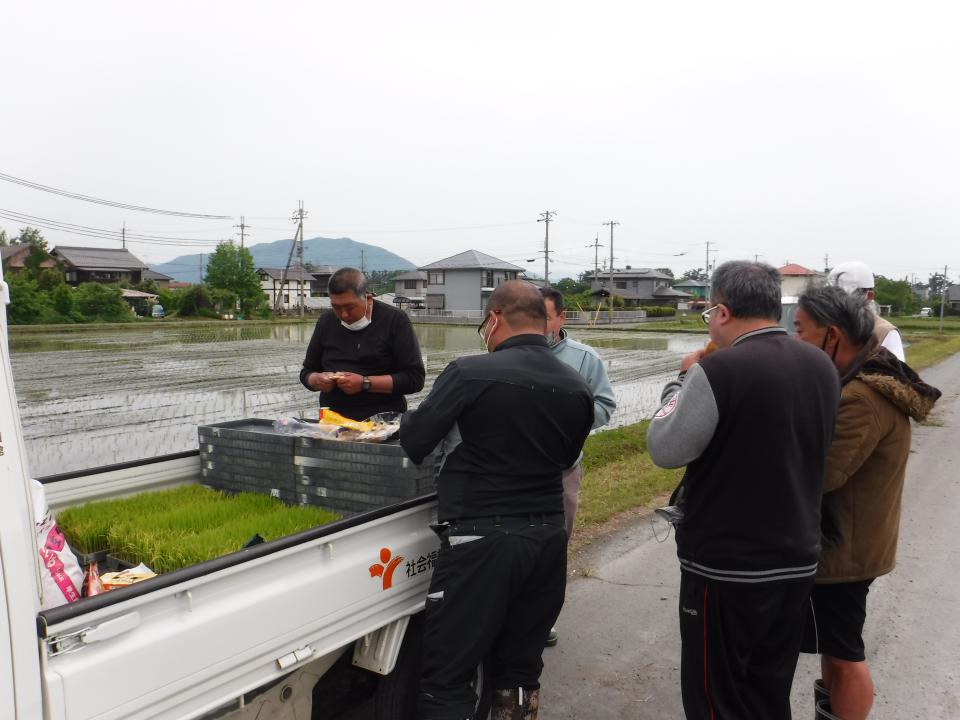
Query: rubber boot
<point x="515" y="704"/>
<point x="820" y="694"/>
<point x="823" y="711"/>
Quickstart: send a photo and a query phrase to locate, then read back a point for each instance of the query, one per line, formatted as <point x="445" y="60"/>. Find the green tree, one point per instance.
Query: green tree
<point x="4" y="240"/>
<point x="169" y="298"/>
<point x="665" y="271"/>
<point x="896" y="293"/>
<point x="31" y="236"/>
<point x="64" y="303"/>
<point x="49" y="279"/>
<point x="569" y="286"/>
<point x="97" y="301"/>
<point x="695" y="274"/>
<point x="196" y="300"/>
<point x="231" y="268"/>
<point x="28" y="303"/>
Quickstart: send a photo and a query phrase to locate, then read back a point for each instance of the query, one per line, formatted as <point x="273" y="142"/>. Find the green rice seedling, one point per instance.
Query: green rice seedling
<point x="171" y="529"/>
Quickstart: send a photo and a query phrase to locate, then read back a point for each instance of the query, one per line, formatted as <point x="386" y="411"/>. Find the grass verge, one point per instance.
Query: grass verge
<point x="923" y="351"/>
<point x="618" y="475"/>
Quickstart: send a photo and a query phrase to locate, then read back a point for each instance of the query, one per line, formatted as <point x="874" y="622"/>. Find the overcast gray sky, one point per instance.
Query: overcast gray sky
<point x="787" y="131"/>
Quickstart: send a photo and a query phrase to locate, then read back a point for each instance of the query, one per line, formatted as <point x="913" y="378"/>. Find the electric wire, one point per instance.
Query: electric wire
<point x="111" y="203"/>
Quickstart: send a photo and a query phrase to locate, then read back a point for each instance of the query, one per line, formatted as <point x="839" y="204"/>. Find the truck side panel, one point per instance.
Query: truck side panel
<point x="185" y="649"/>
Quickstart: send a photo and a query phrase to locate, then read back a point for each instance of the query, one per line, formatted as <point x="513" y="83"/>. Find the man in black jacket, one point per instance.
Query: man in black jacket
<point x="364" y="356"/>
<point x="511" y="421"/>
<point x="752" y="422"/>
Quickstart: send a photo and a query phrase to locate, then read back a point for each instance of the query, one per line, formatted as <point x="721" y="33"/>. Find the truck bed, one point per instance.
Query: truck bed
<point x="191" y="641"/>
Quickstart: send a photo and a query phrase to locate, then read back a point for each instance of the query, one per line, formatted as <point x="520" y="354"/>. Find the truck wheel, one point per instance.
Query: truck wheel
<point x="396" y="694"/>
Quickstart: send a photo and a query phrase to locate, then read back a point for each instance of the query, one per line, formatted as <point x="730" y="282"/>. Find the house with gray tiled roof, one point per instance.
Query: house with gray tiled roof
<point x="283" y="288"/>
<point x="637" y="286"/>
<point x="102" y="265"/>
<point x="463" y="282"/>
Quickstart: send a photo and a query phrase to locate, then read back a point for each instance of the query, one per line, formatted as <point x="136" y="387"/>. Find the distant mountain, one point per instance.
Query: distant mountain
<point x="337" y="252"/>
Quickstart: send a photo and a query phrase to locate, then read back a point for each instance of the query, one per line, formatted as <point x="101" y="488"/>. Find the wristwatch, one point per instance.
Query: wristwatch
<point x="366" y="383"/>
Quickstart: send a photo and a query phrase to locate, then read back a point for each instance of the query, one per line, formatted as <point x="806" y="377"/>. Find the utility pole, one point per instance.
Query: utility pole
<point x="201" y="269"/>
<point x="124" y="234"/>
<point x="826" y="263"/>
<point x="299" y="217"/>
<point x="611" y="223"/>
<point x="363" y="261"/>
<point x="596" y="257"/>
<point x="243" y="229"/>
<point x="546" y="217"/>
<point x="706" y="269"/>
<point x="943" y="296"/>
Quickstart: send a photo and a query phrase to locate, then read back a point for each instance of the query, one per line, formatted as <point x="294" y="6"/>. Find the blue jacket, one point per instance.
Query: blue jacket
<point x="586" y="361"/>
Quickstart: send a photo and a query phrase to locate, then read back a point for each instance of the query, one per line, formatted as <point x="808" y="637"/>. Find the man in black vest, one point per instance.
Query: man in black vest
<point x="364" y="356"/>
<point x="512" y="421"/>
<point x="752" y="422"/>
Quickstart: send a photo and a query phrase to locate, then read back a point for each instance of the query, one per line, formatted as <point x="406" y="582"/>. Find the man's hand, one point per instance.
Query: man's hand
<point x="322" y="381"/>
<point x="350" y="383"/>
<point x="694" y="357"/>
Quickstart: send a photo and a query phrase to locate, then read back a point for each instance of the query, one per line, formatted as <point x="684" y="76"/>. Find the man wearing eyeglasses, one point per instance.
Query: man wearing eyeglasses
<point x="512" y="421"/>
<point x="752" y="422"/>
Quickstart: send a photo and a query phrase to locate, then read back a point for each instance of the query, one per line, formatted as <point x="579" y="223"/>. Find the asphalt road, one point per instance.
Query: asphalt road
<point x="618" y="655"/>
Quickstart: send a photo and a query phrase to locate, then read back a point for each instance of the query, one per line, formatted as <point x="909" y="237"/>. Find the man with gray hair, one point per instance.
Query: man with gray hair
<point x="752" y="422"/>
<point x="364" y="356"/>
<point x="863" y="484"/>
<point x="856" y="278"/>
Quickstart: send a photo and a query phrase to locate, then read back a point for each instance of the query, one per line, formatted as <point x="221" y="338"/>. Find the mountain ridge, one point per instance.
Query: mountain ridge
<point x="337" y="252"/>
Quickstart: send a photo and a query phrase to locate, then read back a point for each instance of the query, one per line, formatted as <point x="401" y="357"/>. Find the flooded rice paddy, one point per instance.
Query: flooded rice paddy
<point x="93" y="397"/>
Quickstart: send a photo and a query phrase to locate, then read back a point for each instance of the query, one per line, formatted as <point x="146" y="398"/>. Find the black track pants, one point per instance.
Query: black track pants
<point x="740" y="643"/>
<point x="496" y="592"/>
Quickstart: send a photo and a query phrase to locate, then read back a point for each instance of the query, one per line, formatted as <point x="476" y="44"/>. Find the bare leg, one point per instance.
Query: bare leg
<point x="850" y="685"/>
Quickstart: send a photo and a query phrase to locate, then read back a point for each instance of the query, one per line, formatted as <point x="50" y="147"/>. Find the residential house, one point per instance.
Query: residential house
<point x="321" y="279"/>
<point x="102" y="265"/>
<point x="794" y="279"/>
<point x="410" y="289"/>
<point x="463" y="282"/>
<point x="696" y="289"/>
<point x="953" y="297"/>
<point x="161" y="280"/>
<point x="640" y="286"/>
<point x="283" y="289"/>
<point x="14" y="256"/>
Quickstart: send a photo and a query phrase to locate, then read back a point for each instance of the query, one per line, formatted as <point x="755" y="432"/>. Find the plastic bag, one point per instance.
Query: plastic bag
<point x="377" y="428"/>
<point x="60" y="574"/>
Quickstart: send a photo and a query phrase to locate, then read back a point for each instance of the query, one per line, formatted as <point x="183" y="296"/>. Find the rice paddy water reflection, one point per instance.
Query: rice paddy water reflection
<point x="92" y="396"/>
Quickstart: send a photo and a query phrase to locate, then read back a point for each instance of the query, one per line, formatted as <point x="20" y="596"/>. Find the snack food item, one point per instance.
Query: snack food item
<point x="329" y="417"/>
<point x="113" y="580"/>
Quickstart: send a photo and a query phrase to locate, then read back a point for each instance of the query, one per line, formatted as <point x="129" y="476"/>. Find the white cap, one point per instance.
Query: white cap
<point x="851" y="276"/>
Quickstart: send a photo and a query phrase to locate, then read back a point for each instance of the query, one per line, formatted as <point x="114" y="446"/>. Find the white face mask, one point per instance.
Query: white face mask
<point x="362" y="322"/>
<point x="488" y="335"/>
<point x="358" y="325"/>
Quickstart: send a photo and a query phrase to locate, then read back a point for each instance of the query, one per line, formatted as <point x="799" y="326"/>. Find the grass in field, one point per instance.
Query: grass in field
<point x="171" y="529"/>
<point x="618" y="474"/>
<point x="923" y="351"/>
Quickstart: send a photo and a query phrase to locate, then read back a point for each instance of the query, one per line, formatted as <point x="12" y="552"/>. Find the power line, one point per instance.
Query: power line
<point x="102" y="233"/>
<point x="111" y="203"/>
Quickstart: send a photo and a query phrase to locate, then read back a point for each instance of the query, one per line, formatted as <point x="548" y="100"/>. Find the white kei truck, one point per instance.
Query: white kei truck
<point x="296" y="628"/>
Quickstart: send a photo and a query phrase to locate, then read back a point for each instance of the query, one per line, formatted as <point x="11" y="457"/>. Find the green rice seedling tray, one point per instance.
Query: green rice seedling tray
<point x="171" y="529"/>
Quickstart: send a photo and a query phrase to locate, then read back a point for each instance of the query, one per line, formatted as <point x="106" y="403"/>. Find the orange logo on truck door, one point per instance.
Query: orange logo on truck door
<point x="384" y="569"/>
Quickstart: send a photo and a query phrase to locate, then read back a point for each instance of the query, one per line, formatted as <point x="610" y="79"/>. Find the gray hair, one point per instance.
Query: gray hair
<point x="348" y="279"/>
<point x="830" y="305"/>
<point x="749" y="290"/>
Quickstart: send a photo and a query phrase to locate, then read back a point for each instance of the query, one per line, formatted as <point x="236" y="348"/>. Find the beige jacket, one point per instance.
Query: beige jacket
<point x="866" y="465"/>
